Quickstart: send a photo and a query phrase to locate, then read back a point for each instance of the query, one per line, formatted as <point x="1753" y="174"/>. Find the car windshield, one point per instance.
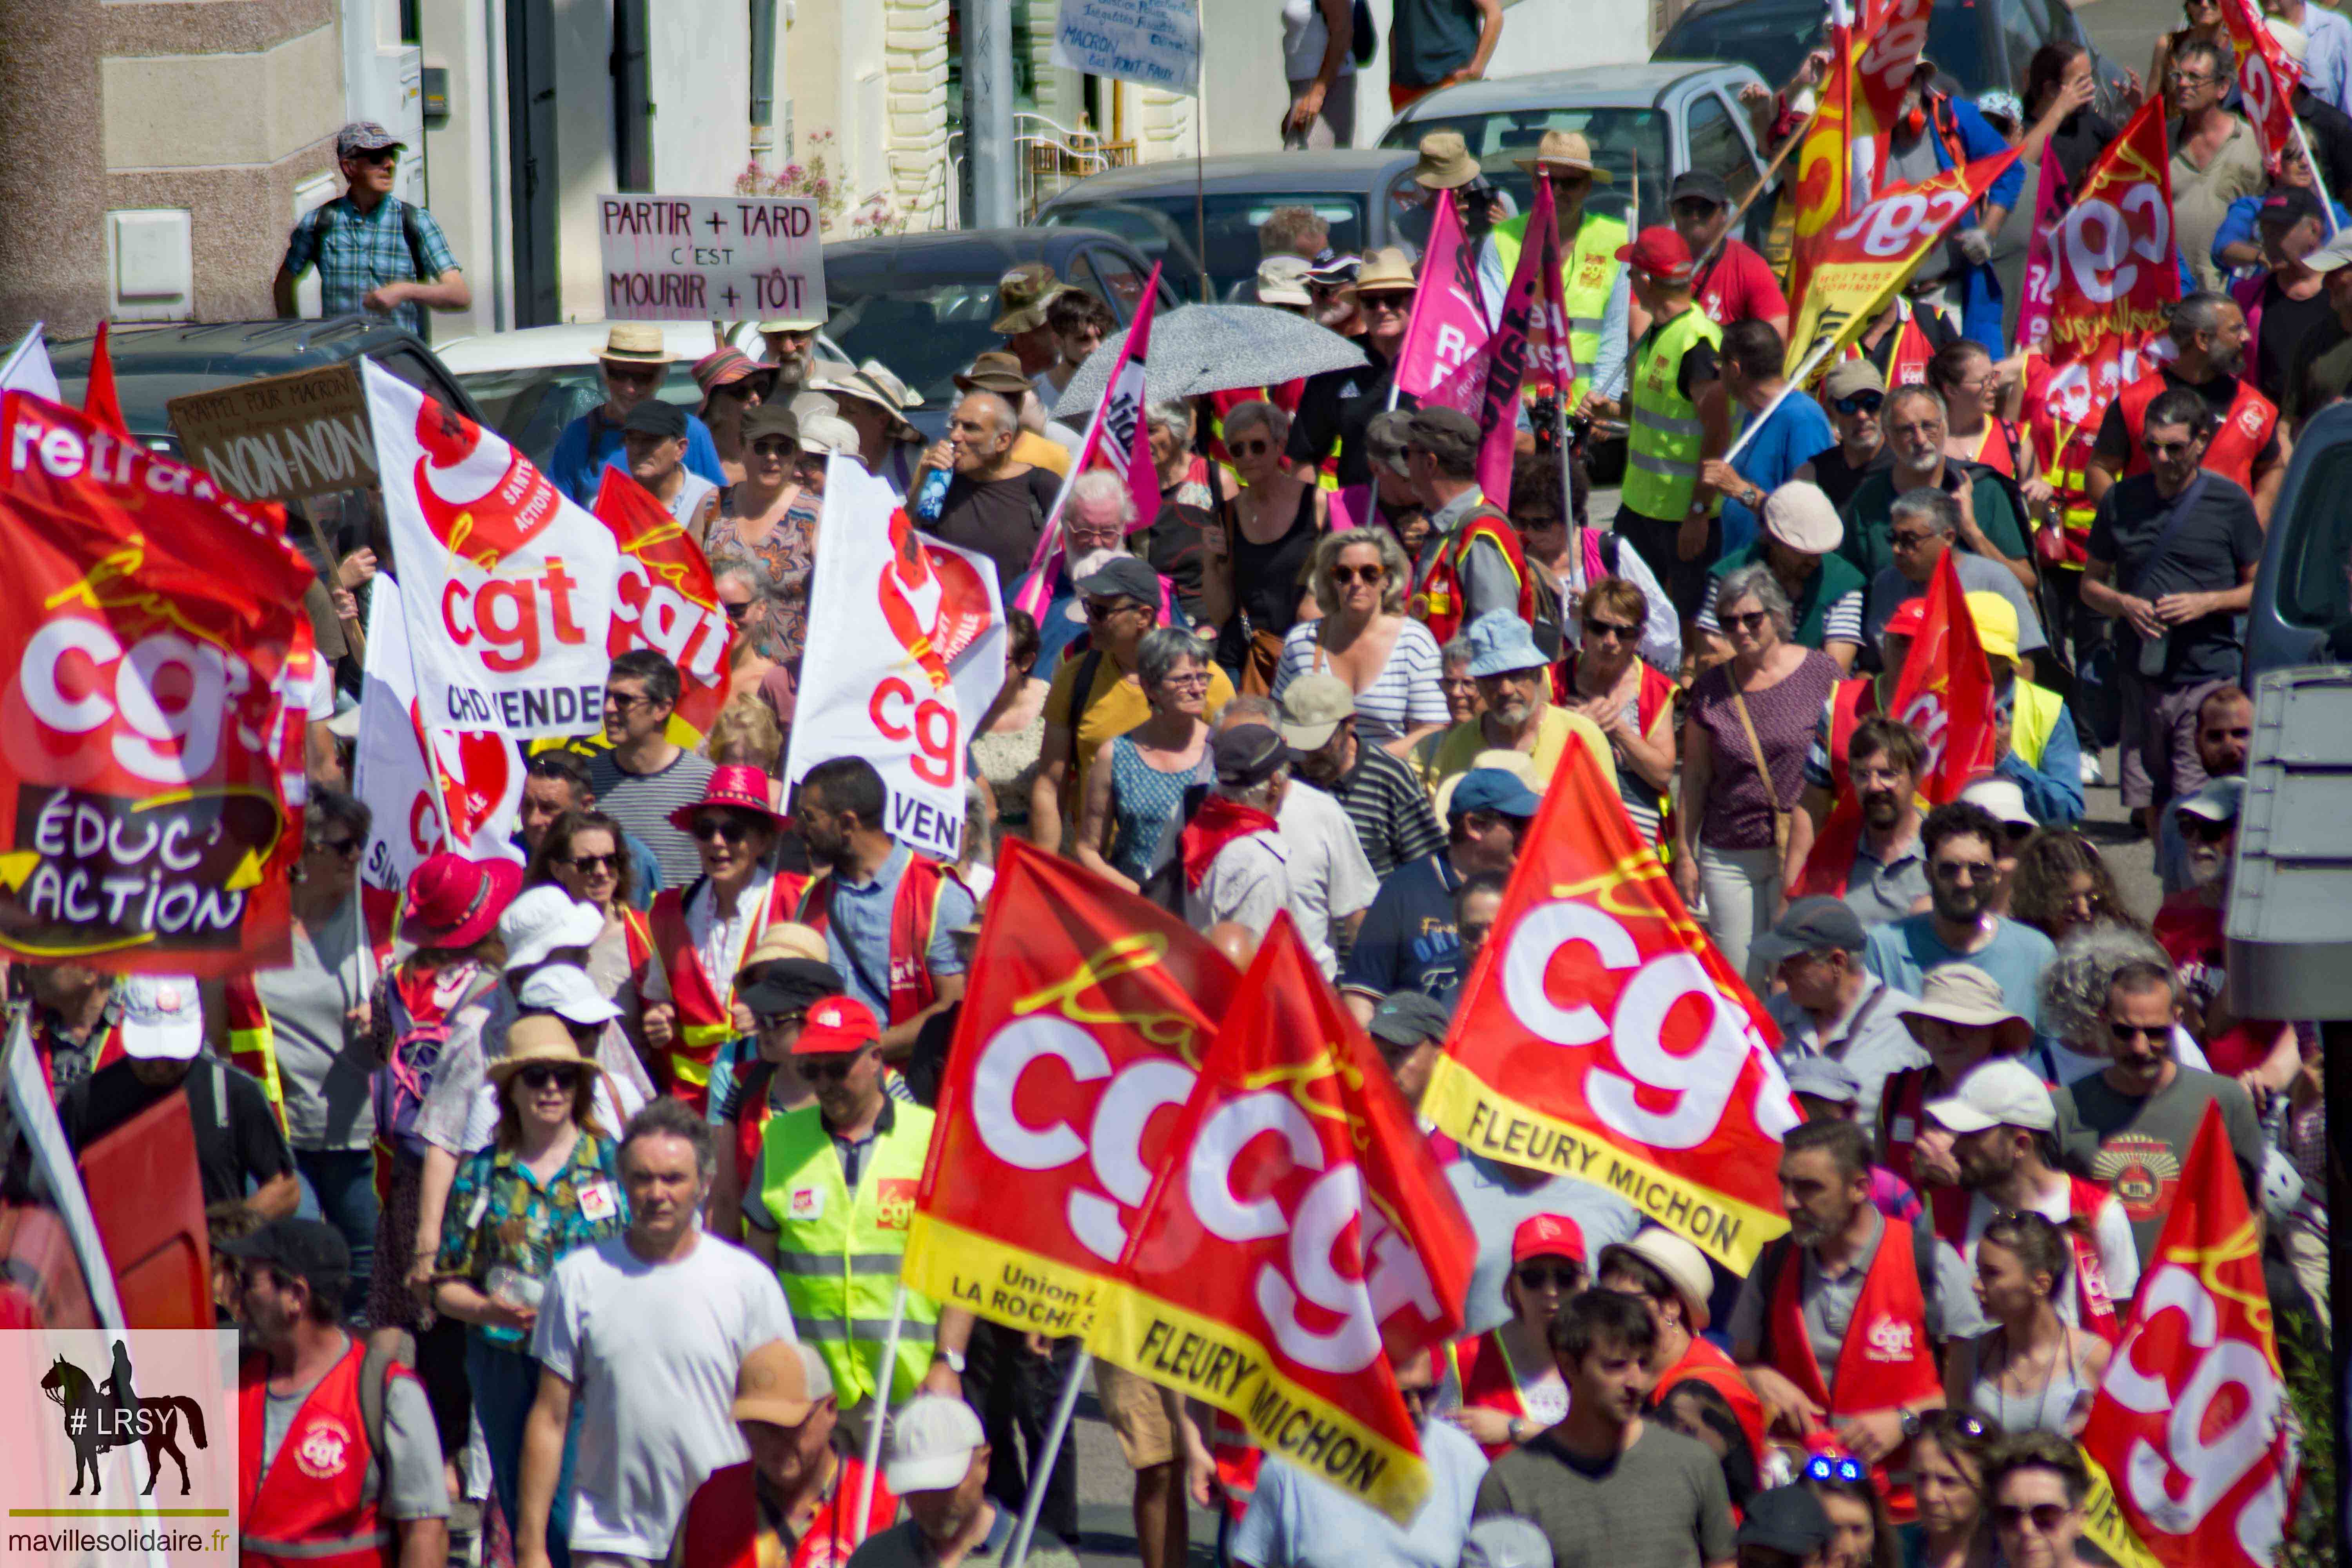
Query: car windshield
<point x="1773" y="36"/>
<point x="1162" y="227"/>
<point x="530" y="404"/>
<point x="924" y="332"/>
<point x="1625" y="143"/>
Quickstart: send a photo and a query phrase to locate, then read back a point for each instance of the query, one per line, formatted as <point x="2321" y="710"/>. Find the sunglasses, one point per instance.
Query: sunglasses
<point x="1249" y="449"/>
<point x="1950" y="870"/>
<point x="381" y="156"/>
<point x="736" y="612"/>
<point x="1367" y="575"/>
<point x="2170" y="449"/>
<point x="2046" y="1516"/>
<point x="346" y="848"/>
<point x="779" y="1020"/>
<point x="774" y="449"/>
<point x="730" y="828"/>
<point x="1536" y="1277"/>
<point x="2205" y="830"/>
<point x="1750" y="623"/>
<point x="1386" y="304"/>
<point x="1610" y="629"/>
<point x="536" y="1077"/>
<point x="1909" y="539"/>
<point x="622" y="701"/>
<point x="1836" y="1468"/>
<point x="1098" y="614"/>
<point x="2124" y="1034"/>
<point x="633" y="375"/>
<point x="590" y="865"/>
<point x="1861" y="403"/>
<point x="831" y="1070"/>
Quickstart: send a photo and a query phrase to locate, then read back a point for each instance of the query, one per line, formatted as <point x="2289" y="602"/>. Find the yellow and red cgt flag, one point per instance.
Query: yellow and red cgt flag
<point x="1825" y="185"/>
<point x="666" y="598"/>
<point x="2267" y="77"/>
<point x="1088" y="1017"/>
<point x="1300" y="1246"/>
<point x="1856" y="268"/>
<point x="1946" y="694"/>
<point x="2190" y="1425"/>
<point x="1600" y="1036"/>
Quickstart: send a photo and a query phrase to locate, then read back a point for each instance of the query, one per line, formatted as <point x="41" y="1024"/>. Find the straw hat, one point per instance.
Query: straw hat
<point x="1964" y="995"/>
<point x="839" y="381"/>
<point x="1566" y="150"/>
<point x="1445" y="163"/>
<point x="788" y="939"/>
<point x="1387" y="271"/>
<point x="637" y="342"/>
<point x="537" y="1039"/>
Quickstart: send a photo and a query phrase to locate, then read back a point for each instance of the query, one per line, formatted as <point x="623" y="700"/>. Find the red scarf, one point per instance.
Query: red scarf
<point x="1218" y="823"/>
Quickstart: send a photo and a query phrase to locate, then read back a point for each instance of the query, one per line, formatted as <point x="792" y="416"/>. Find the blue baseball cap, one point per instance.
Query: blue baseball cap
<point x="1500" y="642"/>
<point x="1493" y="789"/>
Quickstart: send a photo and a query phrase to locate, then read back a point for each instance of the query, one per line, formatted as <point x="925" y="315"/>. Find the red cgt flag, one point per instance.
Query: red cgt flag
<point x="666" y="598"/>
<point x="2267" y="77"/>
<point x="2190" y="1425"/>
<point x="1300" y="1244"/>
<point x="1088" y="1013"/>
<point x="1601" y="1036"/>
<point x="152" y="632"/>
<point x="99" y="400"/>
<point x="1946" y="694"/>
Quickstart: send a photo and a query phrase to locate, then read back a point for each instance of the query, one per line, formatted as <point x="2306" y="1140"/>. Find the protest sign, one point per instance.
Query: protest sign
<point x="1300" y="1244"/>
<point x="281" y="438"/>
<point x="430" y="787"/>
<point x="509" y="585"/>
<point x="1155" y="42"/>
<point x="158" y="663"/>
<point x="1087" y="1013"/>
<point x="1601" y="1036"/>
<point x="666" y="600"/>
<point x="668" y="258"/>
<point x="905" y="652"/>
<point x="2191" y="1421"/>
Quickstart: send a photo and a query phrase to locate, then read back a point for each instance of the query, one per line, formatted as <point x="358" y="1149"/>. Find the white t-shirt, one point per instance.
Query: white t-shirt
<point x="1303" y="38"/>
<point x="1247" y="883"/>
<point x="652" y="1352"/>
<point x="1329" y="876"/>
<point x="320" y="704"/>
<point x="2110" y="1230"/>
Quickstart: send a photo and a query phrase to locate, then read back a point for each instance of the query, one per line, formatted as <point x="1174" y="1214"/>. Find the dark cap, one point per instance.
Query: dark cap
<point x="2290" y="204"/>
<point x="309" y="1249"/>
<point x="1700" y="184"/>
<point x="364" y="136"/>
<point x="654" y="417"/>
<point x="1811" y="925"/>
<point x="787" y="985"/>
<point x="1497" y="790"/>
<point x="1407" y="1019"/>
<point x="1123" y="577"/>
<point x="1247" y="754"/>
<point x="1788" y="1519"/>
<point x="768" y="419"/>
<point x="1440" y="426"/>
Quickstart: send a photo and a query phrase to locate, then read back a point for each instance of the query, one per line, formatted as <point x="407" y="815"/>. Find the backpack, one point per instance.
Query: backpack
<point x="1366" y="41"/>
<point x="323" y="221"/>
<point x="399" y="1087"/>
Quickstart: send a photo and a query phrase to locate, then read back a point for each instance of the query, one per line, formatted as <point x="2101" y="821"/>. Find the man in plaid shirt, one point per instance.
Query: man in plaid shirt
<point x="372" y="252"/>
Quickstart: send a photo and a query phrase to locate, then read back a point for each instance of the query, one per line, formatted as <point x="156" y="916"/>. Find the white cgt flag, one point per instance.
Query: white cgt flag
<point x="509" y="584"/>
<point x="905" y="651"/>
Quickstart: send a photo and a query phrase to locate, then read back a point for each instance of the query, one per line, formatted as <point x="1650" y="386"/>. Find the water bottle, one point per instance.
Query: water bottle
<point x="932" y="496"/>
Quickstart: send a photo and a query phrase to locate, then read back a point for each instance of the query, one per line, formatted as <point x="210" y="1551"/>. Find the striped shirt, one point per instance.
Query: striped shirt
<point x="1389" y="810"/>
<point x="641" y="804"/>
<point x="1403" y="694"/>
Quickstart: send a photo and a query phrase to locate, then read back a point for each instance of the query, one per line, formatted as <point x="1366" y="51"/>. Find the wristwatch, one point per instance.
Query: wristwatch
<point x="1517" y="1429"/>
<point x="953" y="1358"/>
<point x="1909" y="1421"/>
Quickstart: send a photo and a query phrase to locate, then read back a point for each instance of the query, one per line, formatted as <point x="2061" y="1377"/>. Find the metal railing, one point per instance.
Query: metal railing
<point x="1047" y="157"/>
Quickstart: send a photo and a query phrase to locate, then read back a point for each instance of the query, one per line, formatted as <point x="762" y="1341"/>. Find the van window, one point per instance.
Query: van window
<point x="2312" y="590"/>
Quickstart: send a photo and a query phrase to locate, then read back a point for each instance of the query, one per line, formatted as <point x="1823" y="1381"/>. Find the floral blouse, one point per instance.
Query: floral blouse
<point x="499" y="1213"/>
<point x="785" y="559"/>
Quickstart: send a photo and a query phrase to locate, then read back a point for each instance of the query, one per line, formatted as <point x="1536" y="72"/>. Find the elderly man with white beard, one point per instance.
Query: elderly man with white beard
<point x="1095" y="519"/>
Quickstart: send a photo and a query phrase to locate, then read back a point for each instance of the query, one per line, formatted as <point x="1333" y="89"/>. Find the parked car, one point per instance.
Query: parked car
<point x="2302" y="592"/>
<point x="532" y="381"/>
<point x="154" y="365"/>
<point x="1190" y="212"/>
<point x="922" y="303"/>
<point x="1976" y="46"/>
<point x="1646" y="123"/>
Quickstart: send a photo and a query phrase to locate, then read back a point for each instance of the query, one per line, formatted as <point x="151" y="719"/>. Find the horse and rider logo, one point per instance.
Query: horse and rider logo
<point x="98" y="1415"/>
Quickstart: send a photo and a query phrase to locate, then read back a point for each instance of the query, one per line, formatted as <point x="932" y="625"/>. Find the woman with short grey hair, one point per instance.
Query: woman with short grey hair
<point x="1738" y="834"/>
<point x="1136" y="789"/>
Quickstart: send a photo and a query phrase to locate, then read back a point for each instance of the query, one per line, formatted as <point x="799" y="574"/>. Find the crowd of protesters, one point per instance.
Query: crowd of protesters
<point x="583" y="1172"/>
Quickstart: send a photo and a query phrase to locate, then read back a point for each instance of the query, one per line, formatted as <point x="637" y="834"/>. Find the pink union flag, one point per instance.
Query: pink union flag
<point x="1440" y="362"/>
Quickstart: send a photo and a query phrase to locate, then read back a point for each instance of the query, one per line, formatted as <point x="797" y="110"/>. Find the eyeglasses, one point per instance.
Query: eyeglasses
<point x="1370" y="577"/>
<point x="545" y="1076"/>
<point x="2204" y="829"/>
<point x="1962" y="870"/>
<point x="1196" y="680"/>
<point x="2169" y="449"/>
<point x="1536" y="1277"/>
<point x="1910" y="538"/>
<point x="346" y="848"/>
<point x="590" y="865"/>
<point x="1249" y="449"/>
<point x="2124" y="1034"/>
<point x="1750" y="623"/>
<point x="779" y="1020"/>
<point x="832" y="1069"/>
<point x="1836" y="1468"/>
<point x="2046" y="1516"/>
<point x="1610" y="629"/>
<point x="732" y="829"/>
<point x="735" y="611"/>
<point x="1861" y="403"/>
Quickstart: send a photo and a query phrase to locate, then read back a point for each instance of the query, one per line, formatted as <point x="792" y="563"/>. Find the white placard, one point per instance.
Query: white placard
<point x="674" y="258"/>
<point x="1155" y="42"/>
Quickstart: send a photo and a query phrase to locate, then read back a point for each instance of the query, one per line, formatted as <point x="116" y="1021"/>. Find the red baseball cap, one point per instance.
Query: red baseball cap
<point x="1907" y="621"/>
<point x="1661" y="252"/>
<point x="835" y="1024"/>
<point x="1547" y="1236"/>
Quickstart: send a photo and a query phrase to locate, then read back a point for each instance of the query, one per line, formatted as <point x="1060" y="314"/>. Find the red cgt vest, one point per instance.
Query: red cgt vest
<point x="2235" y="444"/>
<point x="316" y="1508"/>
<point x="2095" y="1308"/>
<point x="705" y="1003"/>
<point x="1437" y="598"/>
<point x="914" y="921"/>
<point x="1886" y="1359"/>
<point x="724" y="1524"/>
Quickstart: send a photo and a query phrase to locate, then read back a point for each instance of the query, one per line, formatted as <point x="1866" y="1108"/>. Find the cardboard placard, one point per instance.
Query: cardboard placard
<point x="282" y="438"/>
<point x="670" y="258"/>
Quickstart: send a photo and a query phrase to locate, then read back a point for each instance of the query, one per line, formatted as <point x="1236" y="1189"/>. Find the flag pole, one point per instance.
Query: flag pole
<point x="1041" y="1465"/>
<point x="881" y="1412"/>
<point x="1771" y="172"/>
<point x="2326" y="203"/>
